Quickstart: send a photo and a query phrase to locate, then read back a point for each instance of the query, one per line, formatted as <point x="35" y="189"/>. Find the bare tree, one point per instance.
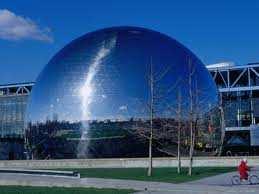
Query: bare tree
<point x="156" y="96"/>
<point x="196" y="105"/>
<point x="175" y="127"/>
<point x="151" y="104"/>
<point x="191" y="99"/>
<point x="222" y="125"/>
<point x="171" y="128"/>
<point x="179" y="111"/>
<point x="198" y="111"/>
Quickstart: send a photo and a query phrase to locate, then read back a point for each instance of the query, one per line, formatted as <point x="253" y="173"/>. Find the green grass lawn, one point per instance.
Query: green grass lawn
<point x="58" y="190"/>
<point x="159" y="174"/>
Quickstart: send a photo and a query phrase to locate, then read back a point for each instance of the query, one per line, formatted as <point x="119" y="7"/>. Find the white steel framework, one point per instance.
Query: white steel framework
<point x="236" y="78"/>
<point x="238" y="81"/>
<point x="16" y="89"/>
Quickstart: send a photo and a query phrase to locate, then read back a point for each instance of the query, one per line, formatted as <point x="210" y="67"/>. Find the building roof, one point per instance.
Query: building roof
<point x="24" y="84"/>
<point x="220" y="65"/>
<point x="229" y="66"/>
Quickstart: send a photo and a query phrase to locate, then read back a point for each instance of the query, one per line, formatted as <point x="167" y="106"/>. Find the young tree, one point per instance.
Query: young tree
<point x="196" y="105"/>
<point x="157" y="129"/>
<point x="179" y="126"/>
<point x="191" y="99"/>
<point x="175" y="127"/>
<point x="222" y="125"/>
<point x="199" y="110"/>
<point x="156" y="96"/>
<point x="151" y="104"/>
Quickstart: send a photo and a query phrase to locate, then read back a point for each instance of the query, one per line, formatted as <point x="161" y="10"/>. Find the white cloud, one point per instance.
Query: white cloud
<point x="123" y="108"/>
<point x="15" y="27"/>
<point x="104" y="96"/>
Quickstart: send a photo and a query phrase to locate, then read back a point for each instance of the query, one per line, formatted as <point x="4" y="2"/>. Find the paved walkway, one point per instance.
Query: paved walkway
<point x="219" y="180"/>
<point x="222" y="179"/>
<point x="211" y="185"/>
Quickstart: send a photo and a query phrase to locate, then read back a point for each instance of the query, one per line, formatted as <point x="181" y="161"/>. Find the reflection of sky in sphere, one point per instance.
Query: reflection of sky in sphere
<point x="104" y="75"/>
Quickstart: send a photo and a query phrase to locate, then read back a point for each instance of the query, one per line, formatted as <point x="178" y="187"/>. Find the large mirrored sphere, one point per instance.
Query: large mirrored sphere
<point x="96" y="97"/>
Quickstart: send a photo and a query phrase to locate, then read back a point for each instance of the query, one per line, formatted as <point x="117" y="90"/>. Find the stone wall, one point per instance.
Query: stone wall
<point x="123" y="163"/>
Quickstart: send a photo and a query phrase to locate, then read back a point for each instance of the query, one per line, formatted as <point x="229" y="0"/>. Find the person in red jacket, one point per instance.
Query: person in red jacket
<point x="243" y="169"/>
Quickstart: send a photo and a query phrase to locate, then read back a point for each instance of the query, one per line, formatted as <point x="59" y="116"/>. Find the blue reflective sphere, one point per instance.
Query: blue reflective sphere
<point x="95" y="91"/>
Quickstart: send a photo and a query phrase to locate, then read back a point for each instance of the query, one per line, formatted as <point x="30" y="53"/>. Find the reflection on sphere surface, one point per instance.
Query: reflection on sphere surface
<point x="92" y="98"/>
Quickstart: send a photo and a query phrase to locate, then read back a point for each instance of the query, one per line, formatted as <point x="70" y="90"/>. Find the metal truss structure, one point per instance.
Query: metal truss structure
<point x="239" y="91"/>
<point x="230" y="78"/>
<point x="16" y="89"/>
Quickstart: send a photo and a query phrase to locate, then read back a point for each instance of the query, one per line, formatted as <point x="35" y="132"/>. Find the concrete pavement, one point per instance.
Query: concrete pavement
<point x="223" y="179"/>
<point x="142" y="186"/>
<point x="219" y="180"/>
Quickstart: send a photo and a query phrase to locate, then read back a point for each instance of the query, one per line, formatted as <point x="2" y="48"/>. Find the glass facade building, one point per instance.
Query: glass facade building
<point x="13" y="101"/>
<point x="239" y="92"/>
<point x="101" y="94"/>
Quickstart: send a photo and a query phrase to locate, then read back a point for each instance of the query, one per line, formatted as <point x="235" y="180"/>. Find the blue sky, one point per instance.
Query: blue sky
<point x="31" y="32"/>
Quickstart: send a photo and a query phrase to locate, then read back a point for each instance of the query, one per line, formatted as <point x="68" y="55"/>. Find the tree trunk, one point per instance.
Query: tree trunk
<point x="179" y="134"/>
<point x="191" y="117"/>
<point x="150" y="166"/>
<point x="191" y="150"/>
<point x="222" y="124"/>
<point x="178" y="152"/>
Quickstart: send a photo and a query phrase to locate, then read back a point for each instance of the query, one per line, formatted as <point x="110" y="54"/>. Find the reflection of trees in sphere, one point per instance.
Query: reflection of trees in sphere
<point x="92" y="98"/>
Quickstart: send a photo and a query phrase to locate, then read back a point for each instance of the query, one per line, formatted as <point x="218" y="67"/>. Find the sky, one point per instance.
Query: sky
<point x="32" y="31"/>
